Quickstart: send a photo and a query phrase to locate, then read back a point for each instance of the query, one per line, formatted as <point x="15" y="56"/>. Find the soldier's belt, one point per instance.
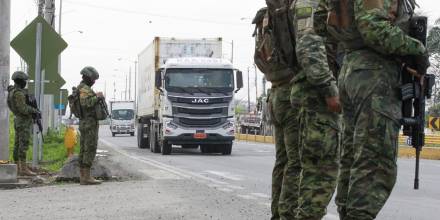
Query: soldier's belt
<point x="279" y="83"/>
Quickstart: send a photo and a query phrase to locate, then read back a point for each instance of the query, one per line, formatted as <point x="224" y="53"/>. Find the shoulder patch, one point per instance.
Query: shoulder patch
<point x="84" y="93"/>
<point x="304" y="12"/>
<point x="373" y="4"/>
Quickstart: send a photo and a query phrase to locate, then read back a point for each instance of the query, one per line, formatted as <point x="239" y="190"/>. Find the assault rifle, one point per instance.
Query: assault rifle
<point x="416" y="88"/>
<point x="36" y="117"/>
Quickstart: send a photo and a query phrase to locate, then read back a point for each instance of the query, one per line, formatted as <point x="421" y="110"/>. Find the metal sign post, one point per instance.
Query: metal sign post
<point x="38" y="79"/>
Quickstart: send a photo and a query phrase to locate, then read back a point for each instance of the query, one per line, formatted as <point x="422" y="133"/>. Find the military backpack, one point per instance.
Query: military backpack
<point x="275" y="53"/>
<point x="74" y="103"/>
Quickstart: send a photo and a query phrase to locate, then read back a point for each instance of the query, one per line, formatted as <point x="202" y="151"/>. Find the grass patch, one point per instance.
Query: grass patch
<point x="54" y="151"/>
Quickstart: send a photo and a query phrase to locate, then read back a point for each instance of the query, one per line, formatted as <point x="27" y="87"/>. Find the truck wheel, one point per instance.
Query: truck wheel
<point x="113" y="134"/>
<point x="142" y="142"/>
<point x="132" y="134"/>
<point x="227" y="149"/>
<point x="154" y="145"/>
<point x="166" y="148"/>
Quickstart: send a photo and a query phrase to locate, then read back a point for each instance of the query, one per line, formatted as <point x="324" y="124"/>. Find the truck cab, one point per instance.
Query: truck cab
<point x="195" y="106"/>
<point x="122" y="118"/>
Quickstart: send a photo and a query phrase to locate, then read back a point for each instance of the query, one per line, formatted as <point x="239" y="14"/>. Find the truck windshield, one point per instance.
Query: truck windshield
<point x="195" y="80"/>
<point x="123" y="114"/>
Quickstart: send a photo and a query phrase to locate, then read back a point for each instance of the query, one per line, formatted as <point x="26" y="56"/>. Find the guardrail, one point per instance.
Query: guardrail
<point x="430" y="139"/>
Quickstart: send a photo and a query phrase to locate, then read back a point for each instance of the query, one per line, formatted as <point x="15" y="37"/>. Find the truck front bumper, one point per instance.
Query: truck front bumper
<point x="188" y="138"/>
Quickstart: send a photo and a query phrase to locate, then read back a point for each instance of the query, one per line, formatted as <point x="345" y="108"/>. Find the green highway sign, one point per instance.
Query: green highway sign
<point x="25" y="45"/>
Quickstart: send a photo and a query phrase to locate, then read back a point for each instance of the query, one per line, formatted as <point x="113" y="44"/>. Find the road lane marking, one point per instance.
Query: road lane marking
<point x="247" y="197"/>
<point x="160" y="174"/>
<point x="266" y="204"/>
<point x="225" y="175"/>
<point x="149" y="162"/>
<point x="180" y="172"/>
<point x="261" y="195"/>
<point x="225" y="189"/>
<point x="330" y="216"/>
<point x="235" y="187"/>
<point x="263" y="151"/>
<point x="177" y="172"/>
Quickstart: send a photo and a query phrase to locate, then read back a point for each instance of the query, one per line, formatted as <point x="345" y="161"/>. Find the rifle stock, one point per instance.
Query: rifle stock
<point x="416" y="88"/>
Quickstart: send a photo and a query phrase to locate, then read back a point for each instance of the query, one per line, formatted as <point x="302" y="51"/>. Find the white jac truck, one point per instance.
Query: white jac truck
<point x="122" y="118"/>
<point x="185" y="96"/>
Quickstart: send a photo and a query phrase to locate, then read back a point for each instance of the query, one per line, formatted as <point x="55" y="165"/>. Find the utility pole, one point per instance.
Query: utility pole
<point x="264" y="86"/>
<point x="129" y="84"/>
<point x="135" y="84"/>
<point x="232" y="52"/>
<point x="114" y="91"/>
<point x="125" y="92"/>
<point x="8" y="172"/>
<point x="5" y="30"/>
<point x="256" y="83"/>
<point x="41" y="8"/>
<point x="249" y="90"/>
<point x="49" y="12"/>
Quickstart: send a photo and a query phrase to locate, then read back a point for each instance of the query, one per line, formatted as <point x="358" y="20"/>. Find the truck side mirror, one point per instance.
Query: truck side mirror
<point x="158" y="79"/>
<point x="239" y="77"/>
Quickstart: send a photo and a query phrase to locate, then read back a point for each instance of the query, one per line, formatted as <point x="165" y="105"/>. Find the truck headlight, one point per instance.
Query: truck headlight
<point x="228" y="125"/>
<point x="171" y="125"/>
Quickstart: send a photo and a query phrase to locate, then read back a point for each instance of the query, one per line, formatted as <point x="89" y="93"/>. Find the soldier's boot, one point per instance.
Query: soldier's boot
<point x="24" y="170"/>
<point x="86" y="178"/>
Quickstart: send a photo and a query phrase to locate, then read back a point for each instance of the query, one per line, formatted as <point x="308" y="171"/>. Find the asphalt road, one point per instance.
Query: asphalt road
<point x="191" y="185"/>
<point x="246" y="174"/>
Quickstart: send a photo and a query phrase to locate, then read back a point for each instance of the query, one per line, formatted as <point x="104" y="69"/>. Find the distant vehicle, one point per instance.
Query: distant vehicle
<point x="122" y="118"/>
<point x="185" y="96"/>
<point x="250" y="123"/>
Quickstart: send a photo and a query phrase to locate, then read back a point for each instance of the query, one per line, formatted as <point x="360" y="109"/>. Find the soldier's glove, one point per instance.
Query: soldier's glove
<point x="333" y="104"/>
<point x="422" y="62"/>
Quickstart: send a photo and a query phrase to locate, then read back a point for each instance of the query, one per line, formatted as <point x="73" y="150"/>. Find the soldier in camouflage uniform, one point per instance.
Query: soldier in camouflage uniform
<point x="22" y="120"/>
<point x="88" y="124"/>
<point x="373" y="36"/>
<point x="315" y="91"/>
<point x="285" y="175"/>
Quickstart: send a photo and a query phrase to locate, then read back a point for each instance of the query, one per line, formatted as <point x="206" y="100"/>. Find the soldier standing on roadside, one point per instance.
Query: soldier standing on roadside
<point x="17" y="103"/>
<point x="286" y="171"/>
<point x="88" y="124"/>
<point x="373" y="35"/>
<point x="315" y="91"/>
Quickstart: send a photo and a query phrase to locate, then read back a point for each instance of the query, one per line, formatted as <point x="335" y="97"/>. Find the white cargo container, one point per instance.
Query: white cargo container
<point x="122" y="120"/>
<point x="185" y="96"/>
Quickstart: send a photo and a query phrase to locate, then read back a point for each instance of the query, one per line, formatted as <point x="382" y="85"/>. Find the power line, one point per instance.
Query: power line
<point x="128" y="11"/>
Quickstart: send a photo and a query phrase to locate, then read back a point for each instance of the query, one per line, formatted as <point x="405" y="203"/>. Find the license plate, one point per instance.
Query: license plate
<point x="200" y="135"/>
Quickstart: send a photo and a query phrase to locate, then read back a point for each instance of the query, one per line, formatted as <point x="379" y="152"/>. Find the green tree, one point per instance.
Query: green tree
<point x="434" y="111"/>
<point x="433" y="45"/>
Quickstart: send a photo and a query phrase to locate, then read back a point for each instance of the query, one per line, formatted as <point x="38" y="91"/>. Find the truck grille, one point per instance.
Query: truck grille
<point x="207" y="111"/>
<point x="200" y="122"/>
<point x="200" y="101"/>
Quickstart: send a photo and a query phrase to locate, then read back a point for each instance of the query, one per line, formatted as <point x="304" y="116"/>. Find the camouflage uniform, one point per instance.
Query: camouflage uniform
<point x="320" y="128"/>
<point x="285" y="176"/>
<point x="22" y="121"/>
<point x="368" y="86"/>
<point x="88" y="126"/>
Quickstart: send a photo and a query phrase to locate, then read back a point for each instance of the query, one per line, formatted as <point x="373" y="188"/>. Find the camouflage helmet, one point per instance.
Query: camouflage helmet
<point x="90" y="72"/>
<point x="19" y="75"/>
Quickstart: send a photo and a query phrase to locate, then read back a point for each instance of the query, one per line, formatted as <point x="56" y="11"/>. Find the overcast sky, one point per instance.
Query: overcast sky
<point x="113" y="29"/>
